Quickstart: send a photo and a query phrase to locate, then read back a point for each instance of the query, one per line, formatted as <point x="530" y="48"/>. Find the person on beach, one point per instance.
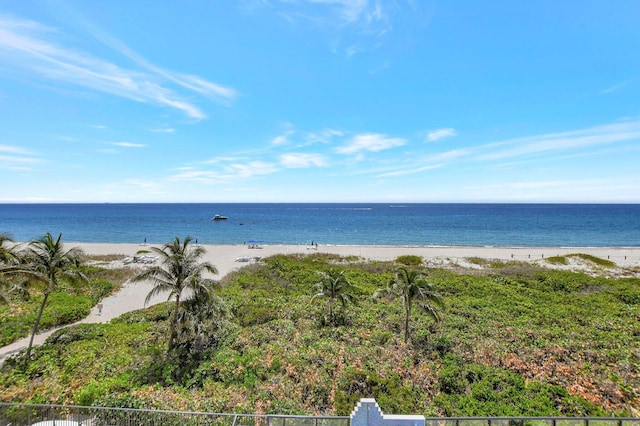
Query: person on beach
<point x="99" y="308"/>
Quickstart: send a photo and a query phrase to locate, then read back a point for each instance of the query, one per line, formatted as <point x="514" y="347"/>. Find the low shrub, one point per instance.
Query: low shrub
<point x="390" y="393"/>
<point x="410" y="260"/>
<point x="593" y="259"/>
<point x="61" y="309"/>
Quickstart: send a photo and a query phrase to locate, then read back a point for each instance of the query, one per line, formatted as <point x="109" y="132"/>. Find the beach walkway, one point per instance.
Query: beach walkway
<point x="129" y="298"/>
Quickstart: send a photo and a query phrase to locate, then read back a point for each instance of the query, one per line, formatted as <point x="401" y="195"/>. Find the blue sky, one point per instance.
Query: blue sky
<point x="319" y="101"/>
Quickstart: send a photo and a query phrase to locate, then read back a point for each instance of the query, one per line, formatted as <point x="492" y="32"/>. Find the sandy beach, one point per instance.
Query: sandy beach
<point x="227" y="258"/>
<point x="224" y="257"/>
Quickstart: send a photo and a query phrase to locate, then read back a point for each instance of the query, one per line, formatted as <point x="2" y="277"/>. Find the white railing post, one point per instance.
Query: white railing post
<point x="368" y="413"/>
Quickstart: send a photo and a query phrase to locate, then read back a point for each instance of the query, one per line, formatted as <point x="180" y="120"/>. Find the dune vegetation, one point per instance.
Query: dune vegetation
<point x="512" y="340"/>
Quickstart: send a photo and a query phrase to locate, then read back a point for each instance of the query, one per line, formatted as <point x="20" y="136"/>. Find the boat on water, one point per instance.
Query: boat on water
<point x="219" y="217"/>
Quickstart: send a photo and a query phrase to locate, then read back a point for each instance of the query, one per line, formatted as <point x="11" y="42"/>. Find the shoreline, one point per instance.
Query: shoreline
<point x="225" y="256"/>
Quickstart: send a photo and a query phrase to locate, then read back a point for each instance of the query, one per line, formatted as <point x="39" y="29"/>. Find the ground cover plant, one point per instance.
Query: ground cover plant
<point x="514" y="340"/>
<point x="65" y="306"/>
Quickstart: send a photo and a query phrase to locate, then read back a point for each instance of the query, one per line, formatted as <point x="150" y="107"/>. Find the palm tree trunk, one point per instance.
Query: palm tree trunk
<point x="37" y="323"/>
<point x="172" y="324"/>
<point x="406" y="323"/>
<point x="331" y="309"/>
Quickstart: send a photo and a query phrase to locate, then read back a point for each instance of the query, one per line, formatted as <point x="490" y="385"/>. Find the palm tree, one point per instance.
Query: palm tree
<point x="200" y="320"/>
<point x="7" y="250"/>
<point x="180" y="270"/>
<point x="334" y="285"/>
<point x="6" y="256"/>
<point x="411" y="286"/>
<point x="10" y="265"/>
<point x="48" y="264"/>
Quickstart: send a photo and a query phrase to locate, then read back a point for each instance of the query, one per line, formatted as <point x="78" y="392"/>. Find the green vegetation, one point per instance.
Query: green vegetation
<point x="598" y="261"/>
<point x="515" y="340"/>
<point x="25" y="288"/>
<point x="564" y="260"/>
<point x="410" y="260"/>
<point x="45" y="266"/>
<point x="558" y="260"/>
<point x="180" y="270"/>
<point x="411" y="287"/>
<point x="333" y="286"/>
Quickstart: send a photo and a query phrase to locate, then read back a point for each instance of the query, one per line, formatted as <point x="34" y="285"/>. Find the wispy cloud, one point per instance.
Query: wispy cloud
<point x="291" y="136"/>
<point x="16" y="158"/>
<point x="323" y="136"/>
<point x="520" y="152"/>
<point x="228" y="172"/>
<point x="28" y="46"/>
<point x="410" y="171"/>
<point x="283" y="138"/>
<point x="563" y="141"/>
<point x="222" y="160"/>
<point x="130" y="189"/>
<point x="341" y="12"/>
<point x="614" y="88"/>
<point x="164" y="130"/>
<point x="12" y="159"/>
<point x="370" y="142"/>
<point x="355" y="25"/>
<point x="301" y="160"/>
<point x="435" y="135"/>
<point x="280" y="140"/>
<point x="14" y="150"/>
<point x="606" y="190"/>
<point x="129" y="144"/>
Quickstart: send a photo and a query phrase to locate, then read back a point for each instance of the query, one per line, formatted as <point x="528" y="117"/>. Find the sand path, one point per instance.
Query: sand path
<point x="226" y="259"/>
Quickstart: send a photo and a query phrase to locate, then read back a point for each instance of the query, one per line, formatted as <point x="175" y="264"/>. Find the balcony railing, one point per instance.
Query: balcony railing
<point x="68" y="415"/>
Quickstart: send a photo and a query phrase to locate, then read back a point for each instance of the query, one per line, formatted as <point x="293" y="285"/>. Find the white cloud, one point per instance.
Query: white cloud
<point x="614" y="88"/>
<point x="355" y="25"/>
<point x="107" y="151"/>
<point x="252" y="168"/>
<point x="224" y="95"/>
<point x="323" y="136"/>
<point x="350" y="10"/>
<point x="370" y="142"/>
<point x="572" y="140"/>
<point x="280" y="140"/>
<point x="220" y="160"/>
<point x="410" y="171"/>
<point x="14" y="158"/>
<point x="27" y="45"/>
<point x="449" y="155"/>
<point x="304" y="138"/>
<point x="283" y="139"/>
<point x="300" y="160"/>
<point x="435" y="135"/>
<point x="164" y="130"/>
<point x="129" y="144"/>
<point x="144" y="184"/>
<point x="14" y="150"/>
<point x="227" y="173"/>
<point x="11" y="159"/>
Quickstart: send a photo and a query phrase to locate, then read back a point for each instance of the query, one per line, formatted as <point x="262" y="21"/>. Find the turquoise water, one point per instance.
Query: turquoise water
<point x="571" y="225"/>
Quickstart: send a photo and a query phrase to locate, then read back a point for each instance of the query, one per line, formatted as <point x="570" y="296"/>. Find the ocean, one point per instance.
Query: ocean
<point x="500" y="225"/>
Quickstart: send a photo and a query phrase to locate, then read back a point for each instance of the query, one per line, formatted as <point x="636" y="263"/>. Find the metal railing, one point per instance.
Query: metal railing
<point x="532" y="421"/>
<point x="29" y="414"/>
<point x="68" y="415"/>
